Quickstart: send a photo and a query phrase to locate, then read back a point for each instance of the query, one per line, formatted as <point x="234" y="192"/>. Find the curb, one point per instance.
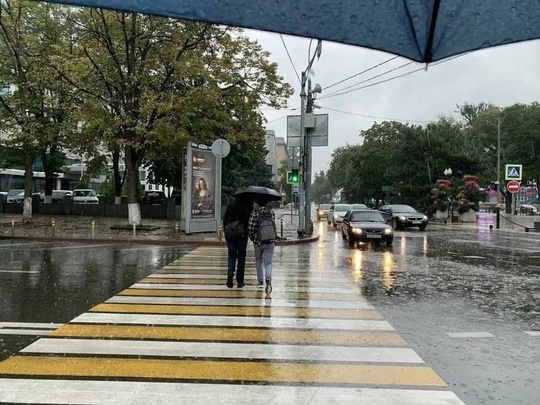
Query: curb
<point x="165" y="242"/>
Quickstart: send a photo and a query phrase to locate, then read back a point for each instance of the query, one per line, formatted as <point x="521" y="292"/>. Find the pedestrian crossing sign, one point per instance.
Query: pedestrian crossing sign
<point x="513" y="172"/>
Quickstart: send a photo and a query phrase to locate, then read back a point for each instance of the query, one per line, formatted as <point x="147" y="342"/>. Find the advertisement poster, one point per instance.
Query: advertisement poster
<point x="203" y="181"/>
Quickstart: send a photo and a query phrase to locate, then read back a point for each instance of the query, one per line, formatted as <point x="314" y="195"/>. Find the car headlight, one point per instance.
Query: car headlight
<point x="388" y="231"/>
<point x="357" y="231"/>
<point x="402" y="218"/>
<point x="425" y="218"/>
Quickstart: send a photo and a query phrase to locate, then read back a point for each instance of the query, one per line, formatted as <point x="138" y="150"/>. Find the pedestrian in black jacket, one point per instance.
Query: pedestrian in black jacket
<point x="237" y="210"/>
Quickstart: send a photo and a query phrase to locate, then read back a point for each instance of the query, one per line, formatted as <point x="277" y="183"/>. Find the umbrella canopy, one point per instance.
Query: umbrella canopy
<point x="255" y="193"/>
<point x="421" y="30"/>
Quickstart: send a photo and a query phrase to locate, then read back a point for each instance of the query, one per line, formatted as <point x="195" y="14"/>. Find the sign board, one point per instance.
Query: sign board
<point x="319" y="135"/>
<point x="513" y="172"/>
<point x="221" y="148"/>
<point x="295" y="190"/>
<point x="513" y="186"/>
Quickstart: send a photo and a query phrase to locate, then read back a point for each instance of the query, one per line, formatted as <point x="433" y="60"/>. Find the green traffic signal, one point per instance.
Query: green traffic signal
<point x="292" y="176"/>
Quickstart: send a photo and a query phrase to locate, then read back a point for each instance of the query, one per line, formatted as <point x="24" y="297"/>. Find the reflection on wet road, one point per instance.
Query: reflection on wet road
<point x="467" y="299"/>
<point x="467" y="302"/>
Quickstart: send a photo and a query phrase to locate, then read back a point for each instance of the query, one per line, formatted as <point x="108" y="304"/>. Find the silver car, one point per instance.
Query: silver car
<point x="336" y="213"/>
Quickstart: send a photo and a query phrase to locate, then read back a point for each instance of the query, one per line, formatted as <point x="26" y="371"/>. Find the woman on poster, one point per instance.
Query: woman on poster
<point x="203" y="199"/>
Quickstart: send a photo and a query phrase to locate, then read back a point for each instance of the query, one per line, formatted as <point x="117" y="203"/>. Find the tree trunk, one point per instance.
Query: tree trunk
<point x="49" y="178"/>
<point x="28" y="188"/>
<point x="133" y="160"/>
<point x="116" y="176"/>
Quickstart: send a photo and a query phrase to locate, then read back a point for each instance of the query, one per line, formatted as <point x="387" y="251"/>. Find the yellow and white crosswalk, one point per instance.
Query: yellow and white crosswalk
<point x="180" y="335"/>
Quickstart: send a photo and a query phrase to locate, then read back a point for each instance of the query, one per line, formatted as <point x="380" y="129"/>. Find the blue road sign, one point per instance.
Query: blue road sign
<point x="513" y="172"/>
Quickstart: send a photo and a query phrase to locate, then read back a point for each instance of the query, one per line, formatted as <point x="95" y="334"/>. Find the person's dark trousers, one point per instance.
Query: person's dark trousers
<point x="237" y="252"/>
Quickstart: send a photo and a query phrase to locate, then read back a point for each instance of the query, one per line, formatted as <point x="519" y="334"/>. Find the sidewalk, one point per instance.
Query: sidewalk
<point x="98" y="230"/>
<point x="508" y="222"/>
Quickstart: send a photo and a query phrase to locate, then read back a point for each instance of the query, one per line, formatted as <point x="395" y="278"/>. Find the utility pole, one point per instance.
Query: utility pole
<point x="301" y="161"/>
<point x="498" y="158"/>
<point x="304" y="184"/>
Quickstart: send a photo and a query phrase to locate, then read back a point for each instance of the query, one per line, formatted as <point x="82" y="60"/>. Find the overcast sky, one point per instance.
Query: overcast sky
<point x="502" y="76"/>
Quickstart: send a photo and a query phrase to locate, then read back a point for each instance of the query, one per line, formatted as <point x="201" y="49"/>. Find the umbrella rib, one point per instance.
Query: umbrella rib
<point x="429" y="44"/>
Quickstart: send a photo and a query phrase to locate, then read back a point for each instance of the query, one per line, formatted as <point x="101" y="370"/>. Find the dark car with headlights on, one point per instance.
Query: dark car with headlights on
<point x="366" y="226"/>
<point x="403" y="216"/>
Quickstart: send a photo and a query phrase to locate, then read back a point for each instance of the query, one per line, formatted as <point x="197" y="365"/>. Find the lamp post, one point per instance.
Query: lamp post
<point x="448" y="173"/>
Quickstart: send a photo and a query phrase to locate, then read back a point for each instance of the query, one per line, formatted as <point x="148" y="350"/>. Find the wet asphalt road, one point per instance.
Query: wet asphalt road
<point x="429" y="286"/>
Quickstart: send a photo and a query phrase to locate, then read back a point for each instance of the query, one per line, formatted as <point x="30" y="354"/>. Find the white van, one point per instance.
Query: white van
<point x="84" y="196"/>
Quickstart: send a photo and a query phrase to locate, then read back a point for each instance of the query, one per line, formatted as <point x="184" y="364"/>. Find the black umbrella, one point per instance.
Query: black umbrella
<point x="421" y="30"/>
<point x="258" y="193"/>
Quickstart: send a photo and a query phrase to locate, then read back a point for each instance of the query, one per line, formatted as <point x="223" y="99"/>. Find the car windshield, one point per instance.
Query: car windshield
<point x="324" y="207"/>
<point x="15" y="192"/>
<point x="83" y="193"/>
<point x="403" y="208"/>
<point x="342" y="208"/>
<point x="359" y="206"/>
<point x="367" y="217"/>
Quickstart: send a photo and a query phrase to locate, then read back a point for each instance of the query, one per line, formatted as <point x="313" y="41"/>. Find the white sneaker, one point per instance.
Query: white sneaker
<point x="260" y="284"/>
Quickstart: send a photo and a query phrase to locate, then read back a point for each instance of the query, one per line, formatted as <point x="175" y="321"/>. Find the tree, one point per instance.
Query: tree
<point x="166" y="82"/>
<point x="35" y="105"/>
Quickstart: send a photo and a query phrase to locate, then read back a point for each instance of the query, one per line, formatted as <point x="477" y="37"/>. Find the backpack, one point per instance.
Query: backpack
<point x="266" y="228"/>
<point x="235" y="230"/>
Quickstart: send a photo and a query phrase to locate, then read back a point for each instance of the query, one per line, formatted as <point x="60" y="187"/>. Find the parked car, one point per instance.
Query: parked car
<point x="360" y="207"/>
<point x="154" y="197"/>
<point x="403" y="216"/>
<point x="336" y="213"/>
<point x="57" y="196"/>
<point x="527" y="209"/>
<point x="15" y="195"/>
<point x="366" y="226"/>
<point x="84" y="196"/>
<point x="322" y="211"/>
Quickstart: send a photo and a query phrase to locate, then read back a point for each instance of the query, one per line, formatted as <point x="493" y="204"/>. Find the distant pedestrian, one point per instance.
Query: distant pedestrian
<point x="262" y="231"/>
<point x="235" y="225"/>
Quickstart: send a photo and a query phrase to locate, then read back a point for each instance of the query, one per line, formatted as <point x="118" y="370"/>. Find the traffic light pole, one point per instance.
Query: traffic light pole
<point x="301" y="161"/>
<point x="308" y="225"/>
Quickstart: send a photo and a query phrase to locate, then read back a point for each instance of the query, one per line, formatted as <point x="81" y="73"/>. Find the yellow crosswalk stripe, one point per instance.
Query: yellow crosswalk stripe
<point x="238" y="311"/>
<point x="237" y="371"/>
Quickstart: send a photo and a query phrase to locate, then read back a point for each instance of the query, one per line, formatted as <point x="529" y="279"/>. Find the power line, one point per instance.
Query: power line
<point x="370" y="79"/>
<point x="361" y="73"/>
<point x="290" y="59"/>
<point x="372" y="116"/>
<point x="390" y="79"/>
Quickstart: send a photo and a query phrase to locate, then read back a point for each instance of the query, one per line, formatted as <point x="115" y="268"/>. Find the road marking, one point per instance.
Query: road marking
<point x="31" y="332"/>
<point x="355" y="305"/>
<point x="533" y="333"/>
<point x="20" y="271"/>
<point x="234" y="321"/>
<point x="220" y="334"/>
<point x="220" y="371"/>
<point x="245" y="351"/>
<point x="237" y="293"/>
<point x="316" y="335"/>
<point x="29" y="325"/>
<point x="129" y="392"/>
<point x="238" y="311"/>
<point x="470" y="335"/>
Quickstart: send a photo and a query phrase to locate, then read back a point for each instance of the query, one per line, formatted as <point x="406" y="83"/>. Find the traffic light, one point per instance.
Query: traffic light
<point x="292" y="176"/>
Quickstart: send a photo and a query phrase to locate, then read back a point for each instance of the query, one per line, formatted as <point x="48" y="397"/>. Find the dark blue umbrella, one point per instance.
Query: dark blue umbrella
<point x="421" y="30"/>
